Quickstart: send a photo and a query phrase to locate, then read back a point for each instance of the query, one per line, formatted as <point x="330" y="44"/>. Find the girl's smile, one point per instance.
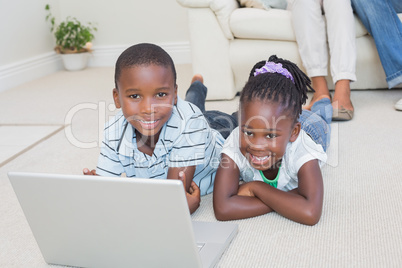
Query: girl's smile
<point x="258" y="161"/>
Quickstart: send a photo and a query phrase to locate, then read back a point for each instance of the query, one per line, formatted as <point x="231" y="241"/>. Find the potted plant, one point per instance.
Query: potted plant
<point x="73" y="41"/>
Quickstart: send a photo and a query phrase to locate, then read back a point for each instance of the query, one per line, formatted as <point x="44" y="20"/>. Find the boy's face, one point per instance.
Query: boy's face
<point x="146" y="94"/>
<point x="265" y="130"/>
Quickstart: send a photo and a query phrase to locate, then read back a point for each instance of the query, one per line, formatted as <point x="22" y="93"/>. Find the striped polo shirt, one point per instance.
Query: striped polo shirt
<point x="185" y="140"/>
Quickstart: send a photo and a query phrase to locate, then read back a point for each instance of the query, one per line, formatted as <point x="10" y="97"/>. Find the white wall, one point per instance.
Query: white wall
<point x="24" y="31"/>
<point x="131" y="21"/>
<point x="26" y="46"/>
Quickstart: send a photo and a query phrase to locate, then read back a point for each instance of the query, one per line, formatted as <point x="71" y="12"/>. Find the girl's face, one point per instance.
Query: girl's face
<point x="146" y="94"/>
<point x="265" y="130"/>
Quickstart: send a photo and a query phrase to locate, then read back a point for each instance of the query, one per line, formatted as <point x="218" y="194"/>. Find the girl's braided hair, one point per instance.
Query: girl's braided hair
<point x="276" y="87"/>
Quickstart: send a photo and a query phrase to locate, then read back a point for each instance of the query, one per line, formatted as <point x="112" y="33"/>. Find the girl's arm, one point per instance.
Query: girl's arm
<point x="303" y="205"/>
<point x="227" y="204"/>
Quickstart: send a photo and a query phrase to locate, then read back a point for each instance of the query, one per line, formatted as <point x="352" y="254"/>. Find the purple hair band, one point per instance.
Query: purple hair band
<point x="272" y="67"/>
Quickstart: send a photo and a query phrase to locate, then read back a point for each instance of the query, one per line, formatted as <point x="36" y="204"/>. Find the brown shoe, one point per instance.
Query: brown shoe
<point x="342" y="114"/>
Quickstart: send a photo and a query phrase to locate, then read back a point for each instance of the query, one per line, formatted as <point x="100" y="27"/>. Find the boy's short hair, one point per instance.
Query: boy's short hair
<point x="143" y="54"/>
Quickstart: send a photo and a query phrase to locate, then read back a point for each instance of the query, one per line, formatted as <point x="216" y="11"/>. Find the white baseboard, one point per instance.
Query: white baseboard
<point x="13" y="75"/>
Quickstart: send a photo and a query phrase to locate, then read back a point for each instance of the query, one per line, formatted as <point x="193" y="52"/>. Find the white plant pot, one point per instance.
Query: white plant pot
<point x="75" y="61"/>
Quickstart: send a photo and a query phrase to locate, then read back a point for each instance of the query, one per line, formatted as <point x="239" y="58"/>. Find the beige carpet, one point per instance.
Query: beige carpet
<point x="14" y="140"/>
<point x="362" y="216"/>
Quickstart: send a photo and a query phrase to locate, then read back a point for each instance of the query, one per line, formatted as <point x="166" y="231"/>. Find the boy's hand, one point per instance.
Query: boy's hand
<point x="89" y="172"/>
<point x="245" y="190"/>
<point x="193" y="195"/>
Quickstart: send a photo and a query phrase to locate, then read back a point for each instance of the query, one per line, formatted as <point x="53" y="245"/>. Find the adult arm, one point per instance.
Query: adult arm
<point x="228" y="205"/>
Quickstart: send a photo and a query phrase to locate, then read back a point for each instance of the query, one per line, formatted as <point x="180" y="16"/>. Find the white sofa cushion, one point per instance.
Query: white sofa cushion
<point x="273" y="24"/>
<point x="255" y="23"/>
<point x="194" y="3"/>
<point x="360" y="29"/>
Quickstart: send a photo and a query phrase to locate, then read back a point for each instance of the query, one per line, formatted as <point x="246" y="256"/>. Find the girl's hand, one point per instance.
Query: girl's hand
<point x="193" y="195"/>
<point x="246" y="190"/>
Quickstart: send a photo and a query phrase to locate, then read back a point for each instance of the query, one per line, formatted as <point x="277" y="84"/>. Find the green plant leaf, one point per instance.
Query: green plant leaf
<point x="71" y="34"/>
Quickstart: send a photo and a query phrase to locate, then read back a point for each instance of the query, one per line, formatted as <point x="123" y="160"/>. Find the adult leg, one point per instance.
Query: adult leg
<point x="381" y="20"/>
<point x="319" y="84"/>
<point x="342" y="47"/>
<point x="309" y="27"/>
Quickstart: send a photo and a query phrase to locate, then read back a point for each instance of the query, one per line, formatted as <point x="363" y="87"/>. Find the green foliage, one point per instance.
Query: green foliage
<point x="71" y="35"/>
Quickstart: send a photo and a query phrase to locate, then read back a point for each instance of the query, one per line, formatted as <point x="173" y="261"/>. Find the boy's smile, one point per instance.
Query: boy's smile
<point x="265" y="130"/>
<point x="146" y="94"/>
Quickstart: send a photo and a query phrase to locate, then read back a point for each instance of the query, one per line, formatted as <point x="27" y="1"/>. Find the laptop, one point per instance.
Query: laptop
<point x="93" y="221"/>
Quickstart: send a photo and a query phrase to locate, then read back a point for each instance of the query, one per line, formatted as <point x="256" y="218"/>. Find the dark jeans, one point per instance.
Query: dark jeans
<point x="222" y="122"/>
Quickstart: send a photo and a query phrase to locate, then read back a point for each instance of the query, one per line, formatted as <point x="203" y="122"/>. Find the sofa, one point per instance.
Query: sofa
<point x="227" y="40"/>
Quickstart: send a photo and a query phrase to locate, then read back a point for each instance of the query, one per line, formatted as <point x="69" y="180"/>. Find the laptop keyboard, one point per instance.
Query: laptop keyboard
<point x="200" y="246"/>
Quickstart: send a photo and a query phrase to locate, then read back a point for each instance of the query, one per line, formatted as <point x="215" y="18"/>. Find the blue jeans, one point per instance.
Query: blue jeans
<point x="316" y="123"/>
<point x="222" y="122"/>
<point x="381" y="21"/>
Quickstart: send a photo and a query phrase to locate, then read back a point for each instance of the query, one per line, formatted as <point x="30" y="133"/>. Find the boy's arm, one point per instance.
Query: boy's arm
<point x="193" y="194"/>
<point x="304" y="204"/>
<point x="228" y="205"/>
<point x="186" y="174"/>
<point x="87" y="171"/>
<point x="173" y="173"/>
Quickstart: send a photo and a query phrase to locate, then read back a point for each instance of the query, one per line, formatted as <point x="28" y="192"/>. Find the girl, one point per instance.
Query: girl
<point x="276" y="153"/>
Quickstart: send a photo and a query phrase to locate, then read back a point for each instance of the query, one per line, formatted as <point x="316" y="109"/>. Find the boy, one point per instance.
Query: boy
<point x="156" y="134"/>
